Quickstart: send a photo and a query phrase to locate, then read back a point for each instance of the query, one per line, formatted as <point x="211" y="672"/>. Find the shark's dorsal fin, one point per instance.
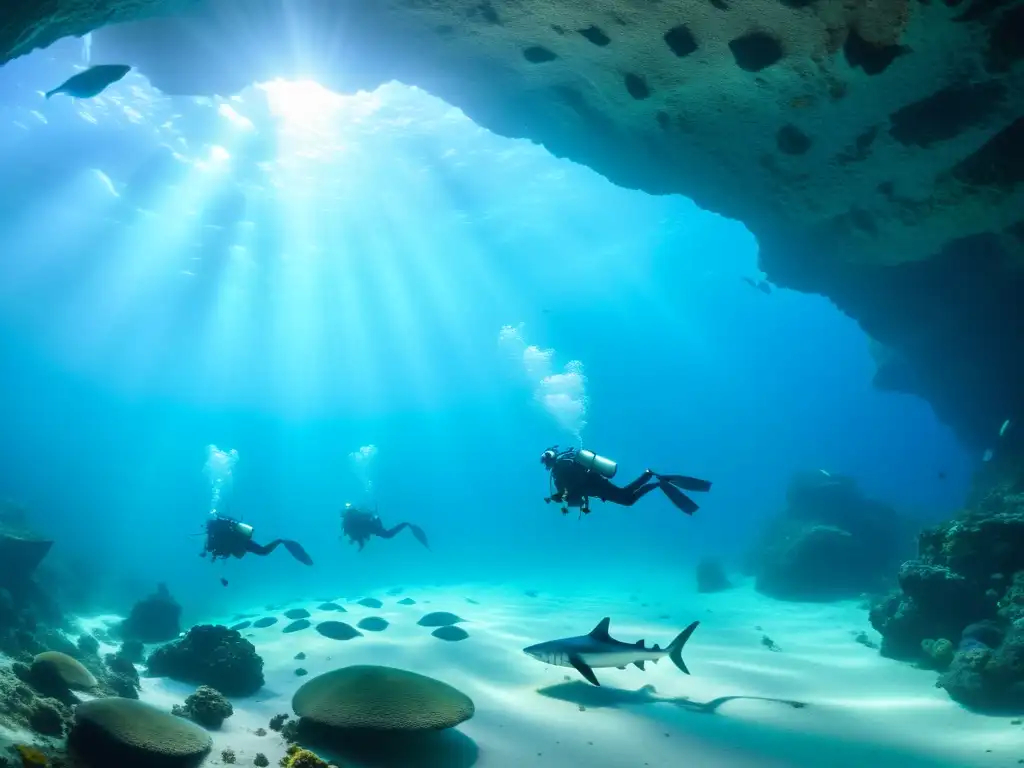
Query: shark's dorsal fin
<point x="655" y="648"/>
<point x="639" y="643"/>
<point x="600" y="632"/>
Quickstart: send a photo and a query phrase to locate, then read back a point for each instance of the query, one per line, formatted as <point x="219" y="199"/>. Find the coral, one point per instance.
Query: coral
<point x="938" y="652"/>
<point x="296" y="757"/>
<point x="31" y="757"/>
<point x="711" y="577"/>
<point x="115" y="731"/>
<point x="155" y="619"/>
<point x="49" y="717"/>
<point x="227" y="756"/>
<point x="206" y="706"/>
<point x="277" y="722"/>
<point x="88" y="645"/>
<point x="56" y="674"/>
<point x="133" y="651"/>
<point x="211" y="655"/>
<point x="21" y="708"/>
<point x="381" y="698"/>
<point x="966" y="585"/>
<point x="831" y="542"/>
<point x="260" y="760"/>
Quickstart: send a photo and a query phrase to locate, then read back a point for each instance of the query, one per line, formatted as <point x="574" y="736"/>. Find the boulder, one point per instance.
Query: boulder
<point x="830" y="542"/>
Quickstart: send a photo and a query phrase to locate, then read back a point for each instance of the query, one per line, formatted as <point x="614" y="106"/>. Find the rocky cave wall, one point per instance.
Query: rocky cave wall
<point x="874" y="147"/>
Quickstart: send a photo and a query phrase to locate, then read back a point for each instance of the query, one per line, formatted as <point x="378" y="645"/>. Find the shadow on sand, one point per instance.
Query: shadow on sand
<point x="586" y="695"/>
<point x="391" y="749"/>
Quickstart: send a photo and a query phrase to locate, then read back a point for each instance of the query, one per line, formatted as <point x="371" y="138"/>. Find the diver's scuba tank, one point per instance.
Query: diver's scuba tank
<point x="590" y="460"/>
<point x="245" y="530"/>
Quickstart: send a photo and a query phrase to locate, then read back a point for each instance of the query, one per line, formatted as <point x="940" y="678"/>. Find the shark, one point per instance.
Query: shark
<point x="598" y="649"/>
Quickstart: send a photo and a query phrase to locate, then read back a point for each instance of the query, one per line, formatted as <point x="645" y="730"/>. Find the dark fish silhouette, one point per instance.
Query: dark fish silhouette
<point x="224" y="581"/>
<point x="92" y="82"/>
<point x="762" y="285"/>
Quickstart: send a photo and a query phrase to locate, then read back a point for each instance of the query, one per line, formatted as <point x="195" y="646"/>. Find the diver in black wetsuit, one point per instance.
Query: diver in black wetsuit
<point x="578" y="475"/>
<point x="230" y="538"/>
<point x="360" y="524"/>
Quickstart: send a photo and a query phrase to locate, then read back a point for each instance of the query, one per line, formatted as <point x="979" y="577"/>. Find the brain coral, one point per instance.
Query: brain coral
<point x="381" y="698"/>
<point x="64" y="667"/>
<point x="116" y="731"/>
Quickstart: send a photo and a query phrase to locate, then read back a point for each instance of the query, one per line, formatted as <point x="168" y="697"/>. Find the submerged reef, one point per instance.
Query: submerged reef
<point x="960" y="603"/>
<point x="830" y="542"/>
<point x="155" y="619"/>
<point x="213" y="655"/>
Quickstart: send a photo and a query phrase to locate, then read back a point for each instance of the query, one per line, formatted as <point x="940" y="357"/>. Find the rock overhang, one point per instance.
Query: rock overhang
<point x="876" y="149"/>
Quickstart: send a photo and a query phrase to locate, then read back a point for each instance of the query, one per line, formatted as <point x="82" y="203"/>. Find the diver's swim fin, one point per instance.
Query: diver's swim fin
<point x="421" y="537"/>
<point x="677" y="497"/>
<point x="297" y="551"/>
<point x="686" y="483"/>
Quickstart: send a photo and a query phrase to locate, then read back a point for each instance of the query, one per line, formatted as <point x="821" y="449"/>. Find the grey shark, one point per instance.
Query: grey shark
<point x="600" y="650"/>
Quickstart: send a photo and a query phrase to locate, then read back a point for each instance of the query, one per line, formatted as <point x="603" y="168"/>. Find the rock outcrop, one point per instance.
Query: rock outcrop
<point x="966" y="589"/>
<point x="876" y="149"/>
<point x="830" y="542"/>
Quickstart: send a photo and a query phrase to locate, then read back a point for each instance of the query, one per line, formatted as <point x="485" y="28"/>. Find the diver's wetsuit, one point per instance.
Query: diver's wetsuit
<point x="359" y="525"/>
<point x="574" y="483"/>
<point x="225" y="538"/>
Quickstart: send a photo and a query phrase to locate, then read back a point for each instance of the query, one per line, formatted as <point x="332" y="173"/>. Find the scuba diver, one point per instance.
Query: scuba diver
<point x="231" y="538"/>
<point x="578" y="475"/>
<point x="360" y="524"/>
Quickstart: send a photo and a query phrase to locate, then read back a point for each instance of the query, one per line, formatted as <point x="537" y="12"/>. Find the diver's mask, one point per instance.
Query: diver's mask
<point x="548" y="457"/>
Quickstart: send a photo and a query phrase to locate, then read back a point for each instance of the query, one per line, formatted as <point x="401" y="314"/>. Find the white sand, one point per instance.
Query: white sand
<point x="862" y="710"/>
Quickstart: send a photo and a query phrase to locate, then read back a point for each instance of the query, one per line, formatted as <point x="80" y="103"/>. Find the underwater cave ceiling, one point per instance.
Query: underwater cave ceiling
<point x="874" y="147"/>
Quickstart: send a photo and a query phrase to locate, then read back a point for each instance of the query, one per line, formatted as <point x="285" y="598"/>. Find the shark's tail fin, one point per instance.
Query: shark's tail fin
<point x="675" y="648"/>
<point x="49" y="94"/>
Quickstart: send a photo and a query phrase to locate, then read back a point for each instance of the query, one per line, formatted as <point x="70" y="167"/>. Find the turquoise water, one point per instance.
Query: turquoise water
<point x="298" y="276"/>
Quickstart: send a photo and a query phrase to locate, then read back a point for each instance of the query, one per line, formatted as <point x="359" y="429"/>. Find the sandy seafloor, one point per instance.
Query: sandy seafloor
<point x="861" y="709"/>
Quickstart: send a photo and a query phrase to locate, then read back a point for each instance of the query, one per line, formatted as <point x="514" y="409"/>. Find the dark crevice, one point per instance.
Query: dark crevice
<point x="792" y="141"/>
<point x="946" y="113"/>
<point x="999" y="163"/>
<point x="873" y="59"/>
<point x="636" y="86"/>
<point x="755" y="51"/>
<point x="861" y="147"/>
<point x="484" y="11"/>
<point x="720" y="5"/>
<point x="663" y="120"/>
<point x="595" y="35"/>
<point x="681" y="41"/>
<point x="538" y="54"/>
<point x="1006" y="41"/>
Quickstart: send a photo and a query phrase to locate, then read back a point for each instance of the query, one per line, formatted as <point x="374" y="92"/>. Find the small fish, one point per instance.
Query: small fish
<point x="1006" y="426"/>
<point x="826" y="474"/>
<point x="224" y="581"/>
<point x="91" y="82"/>
<point x="599" y="649"/>
<point x="987" y="455"/>
<point x="762" y="285"/>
